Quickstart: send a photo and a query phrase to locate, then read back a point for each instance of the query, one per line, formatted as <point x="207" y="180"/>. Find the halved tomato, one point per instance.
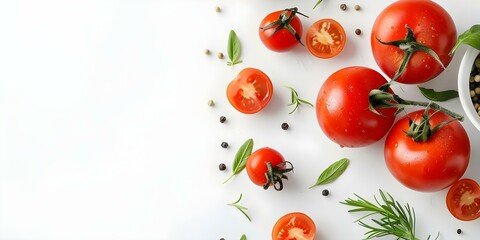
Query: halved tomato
<point x="326" y="38"/>
<point x="294" y="226"/>
<point x="463" y="199"/>
<point x="250" y="91"/>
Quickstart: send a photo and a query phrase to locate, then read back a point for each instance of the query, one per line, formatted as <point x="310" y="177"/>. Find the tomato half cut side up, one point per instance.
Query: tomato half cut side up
<point x="294" y="225"/>
<point x="463" y="200"/>
<point x="325" y="38"/>
<point x="250" y="91"/>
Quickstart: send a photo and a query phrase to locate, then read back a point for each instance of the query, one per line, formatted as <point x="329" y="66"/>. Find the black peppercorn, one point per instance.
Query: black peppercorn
<point x="223" y="119"/>
<point x="222" y="167"/>
<point x="459" y="231"/>
<point x="343" y="6"/>
<point x="285" y="126"/>
<point x="325" y="192"/>
<point x="358" y="31"/>
<point x="224" y="144"/>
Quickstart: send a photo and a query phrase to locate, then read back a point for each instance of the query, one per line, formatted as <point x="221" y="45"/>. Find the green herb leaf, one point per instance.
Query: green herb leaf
<point x="241" y="158"/>
<point x="470" y="37"/>
<point x="233" y="49"/>
<point x="438" y="96"/>
<point x="295" y="100"/>
<point x="240" y="207"/>
<point x="319" y="1"/>
<point x="332" y="172"/>
<point x="243" y="237"/>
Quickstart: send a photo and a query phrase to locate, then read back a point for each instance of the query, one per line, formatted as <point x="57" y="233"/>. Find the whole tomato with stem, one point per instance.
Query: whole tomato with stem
<point x="267" y="167"/>
<point x="250" y="91"/>
<point x="344" y="111"/>
<point x="411" y="40"/>
<point x="282" y="30"/>
<point x="427" y="150"/>
<point x="463" y="199"/>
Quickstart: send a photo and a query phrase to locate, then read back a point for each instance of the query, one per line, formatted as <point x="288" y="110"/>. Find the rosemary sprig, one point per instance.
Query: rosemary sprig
<point x="395" y="219"/>
<point x="296" y="100"/>
<point x="240" y="207"/>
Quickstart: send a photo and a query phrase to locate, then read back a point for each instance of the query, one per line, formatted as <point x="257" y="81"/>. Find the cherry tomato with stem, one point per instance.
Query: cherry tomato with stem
<point x="267" y="167"/>
<point x="250" y="91"/>
<point x="282" y="30"/>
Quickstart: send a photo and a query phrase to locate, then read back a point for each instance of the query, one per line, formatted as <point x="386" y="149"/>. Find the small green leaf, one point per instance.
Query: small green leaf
<point x="243" y="237"/>
<point x="295" y="100"/>
<point x="233" y="49"/>
<point x="470" y="37"/>
<point x="241" y="157"/>
<point x="440" y="96"/>
<point x="240" y="207"/>
<point x="319" y="1"/>
<point x="332" y="172"/>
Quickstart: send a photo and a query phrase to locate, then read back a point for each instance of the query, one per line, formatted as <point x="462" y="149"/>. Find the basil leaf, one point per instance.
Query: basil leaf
<point x="331" y="173"/>
<point x="233" y="49"/>
<point x="319" y="1"/>
<point x="241" y="157"/>
<point x="438" y="96"/>
<point x="243" y="237"/>
<point x="470" y="37"/>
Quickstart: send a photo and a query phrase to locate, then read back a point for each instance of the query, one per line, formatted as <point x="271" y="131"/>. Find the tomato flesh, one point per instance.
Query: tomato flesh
<point x="250" y="91"/>
<point x="325" y="38"/>
<point x="463" y="200"/>
<point x="294" y="226"/>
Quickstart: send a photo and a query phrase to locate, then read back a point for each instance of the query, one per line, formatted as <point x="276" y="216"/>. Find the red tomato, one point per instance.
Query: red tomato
<point x="432" y="165"/>
<point x="342" y="108"/>
<point x="432" y="27"/>
<point x="281" y="40"/>
<point x="326" y="38"/>
<point x="266" y="167"/>
<point x="463" y="200"/>
<point x="250" y="91"/>
<point x="295" y="225"/>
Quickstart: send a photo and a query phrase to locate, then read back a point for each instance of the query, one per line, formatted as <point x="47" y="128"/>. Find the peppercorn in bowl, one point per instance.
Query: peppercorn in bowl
<point x="469" y="85"/>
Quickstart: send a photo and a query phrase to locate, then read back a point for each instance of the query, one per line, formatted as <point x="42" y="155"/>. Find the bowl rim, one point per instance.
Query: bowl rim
<point x="465" y="69"/>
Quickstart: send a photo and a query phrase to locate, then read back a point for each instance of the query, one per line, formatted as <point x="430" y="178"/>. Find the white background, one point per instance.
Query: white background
<point x="105" y="132"/>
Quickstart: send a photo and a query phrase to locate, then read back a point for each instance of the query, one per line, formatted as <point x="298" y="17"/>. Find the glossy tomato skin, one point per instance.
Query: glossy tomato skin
<point x="463" y="200"/>
<point x="432" y="165"/>
<point x="432" y="27"/>
<point x="282" y="40"/>
<point x="325" y="38"/>
<point x="294" y="224"/>
<point x="342" y="108"/>
<point x="250" y="91"/>
<point x="257" y="164"/>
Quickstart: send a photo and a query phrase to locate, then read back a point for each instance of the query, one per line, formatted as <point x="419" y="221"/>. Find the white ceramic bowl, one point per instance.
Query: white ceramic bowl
<point x="464" y="85"/>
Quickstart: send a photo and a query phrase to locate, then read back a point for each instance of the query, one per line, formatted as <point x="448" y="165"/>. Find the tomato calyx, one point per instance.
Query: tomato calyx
<point x="382" y="98"/>
<point x="422" y="131"/>
<point x="409" y="46"/>
<point x="276" y="174"/>
<point x="283" y="21"/>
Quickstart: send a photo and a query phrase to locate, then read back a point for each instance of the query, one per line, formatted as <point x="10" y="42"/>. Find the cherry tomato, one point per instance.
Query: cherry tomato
<point x="266" y="167"/>
<point x="463" y="200"/>
<point x="250" y="91"/>
<point x="342" y="108"/>
<point x="294" y="225"/>
<point x="326" y="38"/>
<point x="431" y="165"/>
<point x="432" y="27"/>
<point x="280" y="40"/>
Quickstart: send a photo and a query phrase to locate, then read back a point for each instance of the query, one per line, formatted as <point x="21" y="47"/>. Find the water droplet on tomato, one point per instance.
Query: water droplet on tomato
<point x="427" y="66"/>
